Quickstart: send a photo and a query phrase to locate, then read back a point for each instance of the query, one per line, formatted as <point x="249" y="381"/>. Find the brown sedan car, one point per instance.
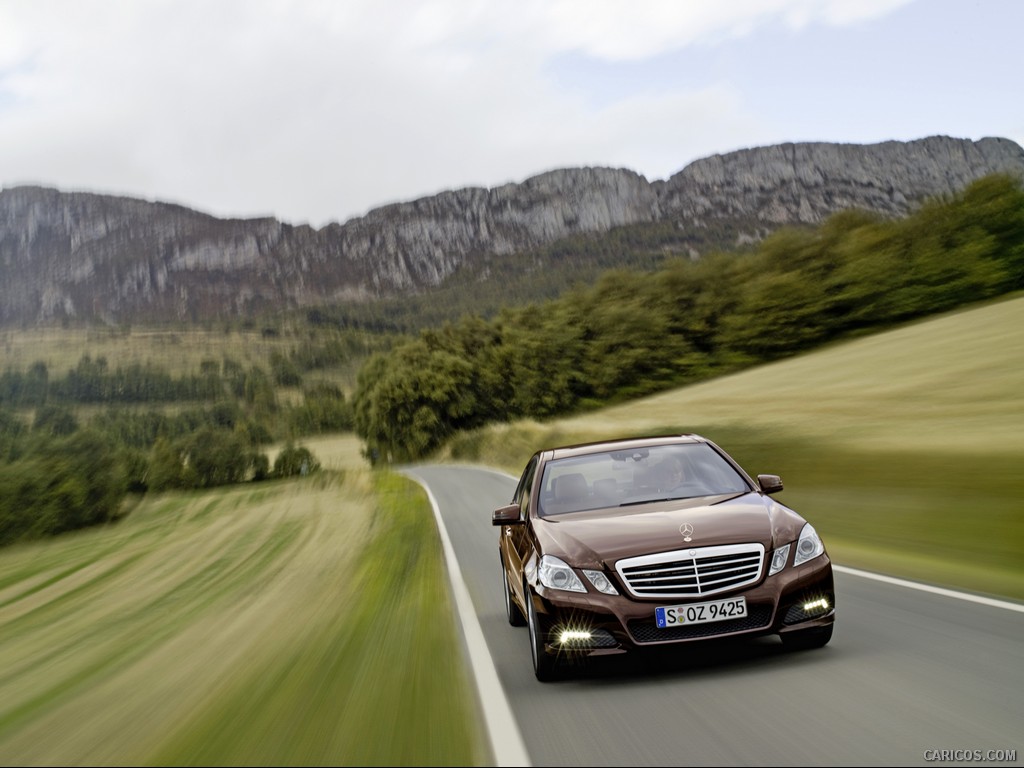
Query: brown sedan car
<point x="617" y="546"/>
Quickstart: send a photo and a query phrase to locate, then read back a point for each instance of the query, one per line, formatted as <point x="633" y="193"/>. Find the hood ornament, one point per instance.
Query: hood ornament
<point x="687" y="530"/>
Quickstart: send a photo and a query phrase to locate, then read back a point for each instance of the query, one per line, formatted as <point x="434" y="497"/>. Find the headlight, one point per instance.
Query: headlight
<point x="600" y="582"/>
<point x="808" y="546"/>
<point x="555" y="574"/>
<point x="779" y="560"/>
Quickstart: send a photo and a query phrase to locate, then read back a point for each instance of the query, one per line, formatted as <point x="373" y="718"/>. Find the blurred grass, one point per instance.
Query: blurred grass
<point x="905" y="449"/>
<point x="292" y="623"/>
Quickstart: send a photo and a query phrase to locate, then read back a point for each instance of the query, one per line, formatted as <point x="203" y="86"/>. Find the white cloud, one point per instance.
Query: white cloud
<point x="319" y="110"/>
<point x="615" y="30"/>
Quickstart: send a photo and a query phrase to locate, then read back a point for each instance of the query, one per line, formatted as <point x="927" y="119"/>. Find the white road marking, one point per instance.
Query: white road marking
<point x="981" y="600"/>
<point x="506" y="741"/>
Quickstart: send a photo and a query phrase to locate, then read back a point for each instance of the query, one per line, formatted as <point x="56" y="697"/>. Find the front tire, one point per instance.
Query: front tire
<point x="544" y="667"/>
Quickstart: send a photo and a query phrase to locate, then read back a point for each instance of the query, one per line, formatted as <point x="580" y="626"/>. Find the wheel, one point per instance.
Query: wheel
<point x="808" y="638"/>
<point x="515" y="616"/>
<point x="544" y="667"/>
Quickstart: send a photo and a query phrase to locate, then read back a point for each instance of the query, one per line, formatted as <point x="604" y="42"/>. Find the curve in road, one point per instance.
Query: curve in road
<point x="912" y="670"/>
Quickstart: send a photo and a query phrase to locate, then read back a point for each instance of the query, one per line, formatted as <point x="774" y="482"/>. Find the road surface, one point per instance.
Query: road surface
<point x="907" y="675"/>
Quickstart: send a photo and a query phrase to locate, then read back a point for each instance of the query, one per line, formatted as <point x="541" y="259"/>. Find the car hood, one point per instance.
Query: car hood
<point x="601" y="537"/>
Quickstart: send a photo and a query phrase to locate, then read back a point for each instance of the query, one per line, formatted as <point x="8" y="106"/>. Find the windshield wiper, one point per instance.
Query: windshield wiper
<point x="678" y="498"/>
<point x="642" y="501"/>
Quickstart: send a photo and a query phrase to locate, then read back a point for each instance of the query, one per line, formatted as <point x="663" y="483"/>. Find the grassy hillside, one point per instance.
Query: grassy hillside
<point x="904" y="448"/>
<point x="261" y="625"/>
<point x="178" y="350"/>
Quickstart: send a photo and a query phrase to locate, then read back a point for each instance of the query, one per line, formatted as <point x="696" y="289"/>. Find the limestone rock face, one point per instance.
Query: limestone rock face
<point x="808" y="182"/>
<point x="82" y="255"/>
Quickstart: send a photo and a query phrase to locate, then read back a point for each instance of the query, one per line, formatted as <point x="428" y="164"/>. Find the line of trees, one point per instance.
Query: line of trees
<point x="635" y="333"/>
<point x="485" y="284"/>
<point x="59" y="474"/>
<point x="228" y="388"/>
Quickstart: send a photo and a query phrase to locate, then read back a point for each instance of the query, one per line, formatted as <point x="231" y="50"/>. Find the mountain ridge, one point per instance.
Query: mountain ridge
<point x="84" y="256"/>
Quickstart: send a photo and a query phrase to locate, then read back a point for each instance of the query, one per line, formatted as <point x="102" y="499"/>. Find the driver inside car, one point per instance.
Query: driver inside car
<point x="672" y="474"/>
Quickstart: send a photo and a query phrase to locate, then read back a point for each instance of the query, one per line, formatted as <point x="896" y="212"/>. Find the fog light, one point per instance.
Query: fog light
<point x="573" y="636"/>
<point x="816" y="606"/>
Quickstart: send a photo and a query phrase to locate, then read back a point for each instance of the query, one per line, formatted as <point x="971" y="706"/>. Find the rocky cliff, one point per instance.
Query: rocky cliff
<point x="806" y="183"/>
<point x="87" y="256"/>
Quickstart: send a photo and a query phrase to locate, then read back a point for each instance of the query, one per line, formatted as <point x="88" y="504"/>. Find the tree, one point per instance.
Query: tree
<point x="64" y="484"/>
<point x="323" y="409"/>
<point x="285" y="372"/>
<point x="295" y="461"/>
<point x="416" y="401"/>
<point x="165" y="467"/>
<point x="215" y="457"/>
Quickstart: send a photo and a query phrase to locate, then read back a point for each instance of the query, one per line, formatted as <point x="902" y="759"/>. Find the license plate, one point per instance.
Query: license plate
<point x="700" y="613"/>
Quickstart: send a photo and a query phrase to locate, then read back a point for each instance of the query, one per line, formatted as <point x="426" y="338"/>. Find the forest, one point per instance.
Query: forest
<point x="634" y="333"/>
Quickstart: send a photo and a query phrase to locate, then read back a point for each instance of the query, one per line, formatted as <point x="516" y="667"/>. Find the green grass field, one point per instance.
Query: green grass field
<point x="289" y="623"/>
<point x="178" y="351"/>
<point x="905" y="449"/>
<point x="308" y="622"/>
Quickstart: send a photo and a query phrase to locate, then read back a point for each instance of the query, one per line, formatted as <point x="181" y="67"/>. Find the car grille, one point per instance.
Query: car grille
<point x="692" y="572"/>
<point x="758" y="617"/>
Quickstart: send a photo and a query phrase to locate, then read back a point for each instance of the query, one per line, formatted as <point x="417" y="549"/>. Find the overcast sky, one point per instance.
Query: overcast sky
<point x="316" y="110"/>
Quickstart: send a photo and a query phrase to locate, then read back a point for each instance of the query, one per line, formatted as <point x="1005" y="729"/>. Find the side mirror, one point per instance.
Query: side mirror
<point x="769" y="483"/>
<point x="508" y="515"/>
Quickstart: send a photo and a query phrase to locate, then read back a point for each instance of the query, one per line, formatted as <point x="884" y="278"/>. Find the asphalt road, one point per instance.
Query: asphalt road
<point x="907" y="674"/>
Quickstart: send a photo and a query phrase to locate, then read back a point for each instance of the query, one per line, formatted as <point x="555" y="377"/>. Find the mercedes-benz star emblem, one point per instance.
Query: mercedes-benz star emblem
<point x="687" y="530"/>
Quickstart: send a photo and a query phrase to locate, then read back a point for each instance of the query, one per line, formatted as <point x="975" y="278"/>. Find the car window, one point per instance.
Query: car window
<point x="522" y="494"/>
<point x="621" y="478"/>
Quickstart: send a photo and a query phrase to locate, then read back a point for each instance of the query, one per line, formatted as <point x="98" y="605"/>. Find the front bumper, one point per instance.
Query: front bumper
<point x="595" y="624"/>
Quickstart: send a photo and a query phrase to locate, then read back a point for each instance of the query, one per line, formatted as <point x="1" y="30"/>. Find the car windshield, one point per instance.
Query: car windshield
<point x="619" y="478"/>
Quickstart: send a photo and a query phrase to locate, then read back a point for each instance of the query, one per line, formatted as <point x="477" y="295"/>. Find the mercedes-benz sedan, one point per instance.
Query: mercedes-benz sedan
<point x="618" y="546"/>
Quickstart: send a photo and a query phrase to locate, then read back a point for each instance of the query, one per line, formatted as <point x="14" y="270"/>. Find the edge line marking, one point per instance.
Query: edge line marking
<point x="502" y="730"/>
<point x="980" y="599"/>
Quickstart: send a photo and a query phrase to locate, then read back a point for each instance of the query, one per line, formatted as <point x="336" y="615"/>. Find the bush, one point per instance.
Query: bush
<point x="62" y="485"/>
<point x="295" y="461"/>
<point x="209" y="458"/>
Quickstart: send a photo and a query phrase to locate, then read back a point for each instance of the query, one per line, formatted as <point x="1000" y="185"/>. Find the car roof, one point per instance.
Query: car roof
<point x="621" y="444"/>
